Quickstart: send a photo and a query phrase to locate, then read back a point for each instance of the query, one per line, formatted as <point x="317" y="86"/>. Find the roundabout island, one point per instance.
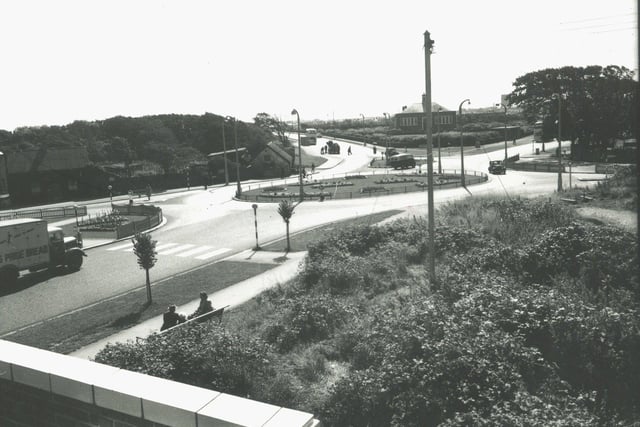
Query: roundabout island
<point x="357" y="185"/>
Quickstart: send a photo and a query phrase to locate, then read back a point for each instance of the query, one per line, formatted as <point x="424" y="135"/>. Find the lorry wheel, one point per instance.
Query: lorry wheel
<point x="9" y="276"/>
<point x="74" y="261"/>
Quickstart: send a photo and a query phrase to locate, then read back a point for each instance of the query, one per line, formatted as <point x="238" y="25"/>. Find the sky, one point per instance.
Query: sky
<point x="68" y="60"/>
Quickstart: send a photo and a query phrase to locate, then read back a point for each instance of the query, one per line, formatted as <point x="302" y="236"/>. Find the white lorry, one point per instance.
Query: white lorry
<point x="31" y="244"/>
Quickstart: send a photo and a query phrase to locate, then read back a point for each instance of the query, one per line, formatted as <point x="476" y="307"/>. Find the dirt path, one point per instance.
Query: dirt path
<point x="627" y="220"/>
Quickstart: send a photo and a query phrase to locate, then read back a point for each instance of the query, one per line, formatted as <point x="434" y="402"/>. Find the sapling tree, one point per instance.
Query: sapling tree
<point x="285" y="209"/>
<point x="145" y="249"/>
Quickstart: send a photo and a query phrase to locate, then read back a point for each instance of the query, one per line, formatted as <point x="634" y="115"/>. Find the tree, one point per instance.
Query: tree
<point x="598" y="103"/>
<point x="145" y="249"/>
<point x="285" y="209"/>
<point x="272" y="124"/>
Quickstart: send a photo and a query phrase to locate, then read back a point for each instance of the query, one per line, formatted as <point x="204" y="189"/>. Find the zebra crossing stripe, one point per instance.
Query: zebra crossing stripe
<point x="164" y="246"/>
<point x="117" y="248"/>
<point x="176" y="249"/>
<point x="213" y="253"/>
<point x="194" y="251"/>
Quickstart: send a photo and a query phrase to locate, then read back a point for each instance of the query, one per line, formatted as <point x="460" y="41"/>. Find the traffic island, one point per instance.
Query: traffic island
<point x="356" y="186"/>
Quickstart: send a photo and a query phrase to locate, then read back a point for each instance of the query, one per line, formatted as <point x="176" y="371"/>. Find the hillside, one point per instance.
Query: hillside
<point x="170" y="141"/>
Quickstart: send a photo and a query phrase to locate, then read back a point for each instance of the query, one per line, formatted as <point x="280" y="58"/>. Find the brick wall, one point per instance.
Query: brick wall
<point x="39" y="388"/>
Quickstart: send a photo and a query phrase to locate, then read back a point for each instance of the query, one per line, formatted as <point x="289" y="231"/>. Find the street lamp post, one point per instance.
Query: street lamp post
<point x="75" y="209"/>
<point x="255" y="221"/>
<point x="462" y="140"/>
<point x="364" y="139"/>
<point x="428" y="48"/>
<point x="439" y="156"/>
<point x="235" y="144"/>
<point x="294" y="111"/>
<point x="224" y="150"/>
<point x="559" y="97"/>
<point x="505" y="131"/>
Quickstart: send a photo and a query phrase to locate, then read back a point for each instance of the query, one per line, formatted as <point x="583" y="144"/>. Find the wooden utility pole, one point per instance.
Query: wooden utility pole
<point x="428" y="123"/>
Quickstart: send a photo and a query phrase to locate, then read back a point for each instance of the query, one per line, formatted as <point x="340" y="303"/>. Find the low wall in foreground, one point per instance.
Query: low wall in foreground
<point x="41" y="388"/>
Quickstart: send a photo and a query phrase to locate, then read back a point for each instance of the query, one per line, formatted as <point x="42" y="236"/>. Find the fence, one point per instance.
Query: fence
<point x="536" y="167"/>
<point x="471" y="177"/>
<point x="63" y="211"/>
<point x="152" y="217"/>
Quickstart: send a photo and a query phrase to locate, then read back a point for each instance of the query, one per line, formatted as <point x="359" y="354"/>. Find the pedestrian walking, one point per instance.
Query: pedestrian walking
<point x="349" y="151"/>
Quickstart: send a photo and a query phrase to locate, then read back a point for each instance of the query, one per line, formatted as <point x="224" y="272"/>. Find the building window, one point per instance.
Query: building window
<point x="267" y="157"/>
<point x="72" y="184"/>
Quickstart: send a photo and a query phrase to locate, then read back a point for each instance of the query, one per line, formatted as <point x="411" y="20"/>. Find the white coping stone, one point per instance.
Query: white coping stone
<point x="5" y="371"/>
<point x="290" y="417"/>
<point x="228" y="411"/>
<point x="169" y="402"/>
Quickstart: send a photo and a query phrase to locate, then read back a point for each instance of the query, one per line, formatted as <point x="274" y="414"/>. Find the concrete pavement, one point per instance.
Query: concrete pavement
<point x="233" y="296"/>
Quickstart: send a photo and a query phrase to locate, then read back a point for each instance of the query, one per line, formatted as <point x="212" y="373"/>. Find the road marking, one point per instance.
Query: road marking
<point x="176" y="249"/>
<point x="194" y="251"/>
<point x="164" y="246"/>
<point x="213" y="253"/>
<point x="117" y="248"/>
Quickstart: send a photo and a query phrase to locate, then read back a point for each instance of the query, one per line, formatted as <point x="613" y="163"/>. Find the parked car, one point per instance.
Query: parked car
<point x="497" y="167"/>
<point x="401" y="161"/>
<point x="391" y="152"/>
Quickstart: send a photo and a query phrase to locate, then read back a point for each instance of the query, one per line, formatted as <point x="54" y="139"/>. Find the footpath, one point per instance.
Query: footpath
<point x="232" y="296"/>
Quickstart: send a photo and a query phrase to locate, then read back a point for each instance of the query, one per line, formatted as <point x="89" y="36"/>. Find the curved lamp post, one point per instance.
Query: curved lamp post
<point x="461" y="140"/>
<point x="235" y="143"/>
<point x="294" y="111"/>
<point x="505" y="131"/>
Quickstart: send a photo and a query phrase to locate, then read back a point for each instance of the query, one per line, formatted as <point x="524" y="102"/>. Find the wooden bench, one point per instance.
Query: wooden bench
<point x="215" y="314"/>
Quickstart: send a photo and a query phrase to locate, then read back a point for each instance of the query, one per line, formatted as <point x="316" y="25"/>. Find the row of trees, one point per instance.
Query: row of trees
<point x="595" y="104"/>
<point x="172" y="141"/>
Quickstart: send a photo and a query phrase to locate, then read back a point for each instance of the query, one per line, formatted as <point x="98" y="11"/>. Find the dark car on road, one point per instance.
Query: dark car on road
<point x="401" y="161"/>
<point x="497" y="167"/>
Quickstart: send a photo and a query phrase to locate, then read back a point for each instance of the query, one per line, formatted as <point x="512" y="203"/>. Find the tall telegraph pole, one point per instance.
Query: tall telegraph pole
<point x="428" y="46"/>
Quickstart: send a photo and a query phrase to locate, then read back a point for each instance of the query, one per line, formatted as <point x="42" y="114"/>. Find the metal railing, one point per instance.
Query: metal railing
<point x="63" y="211"/>
<point x="152" y="217"/>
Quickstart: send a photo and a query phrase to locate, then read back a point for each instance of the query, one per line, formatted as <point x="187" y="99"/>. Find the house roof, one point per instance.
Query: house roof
<point x="230" y="151"/>
<point x="47" y="160"/>
<point x="418" y="108"/>
<point x="275" y="147"/>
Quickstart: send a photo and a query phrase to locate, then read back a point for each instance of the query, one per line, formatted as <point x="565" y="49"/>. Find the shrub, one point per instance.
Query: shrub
<point x="305" y="319"/>
<point x="203" y="355"/>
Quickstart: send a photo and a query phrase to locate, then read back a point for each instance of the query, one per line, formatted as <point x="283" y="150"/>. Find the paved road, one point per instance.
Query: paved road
<point x="206" y="226"/>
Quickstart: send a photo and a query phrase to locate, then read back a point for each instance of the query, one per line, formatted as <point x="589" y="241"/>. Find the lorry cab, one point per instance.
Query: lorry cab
<point x="64" y="250"/>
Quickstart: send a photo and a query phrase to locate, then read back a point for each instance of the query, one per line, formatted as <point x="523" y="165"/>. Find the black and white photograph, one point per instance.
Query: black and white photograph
<point x="319" y="213"/>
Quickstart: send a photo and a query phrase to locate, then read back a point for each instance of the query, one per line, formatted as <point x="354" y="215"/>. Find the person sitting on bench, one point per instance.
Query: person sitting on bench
<point x="170" y="318"/>
<point x="204" y="307"/>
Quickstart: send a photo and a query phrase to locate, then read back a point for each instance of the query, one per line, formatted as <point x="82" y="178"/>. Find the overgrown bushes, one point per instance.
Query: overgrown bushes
<point x="534" y="321"/>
